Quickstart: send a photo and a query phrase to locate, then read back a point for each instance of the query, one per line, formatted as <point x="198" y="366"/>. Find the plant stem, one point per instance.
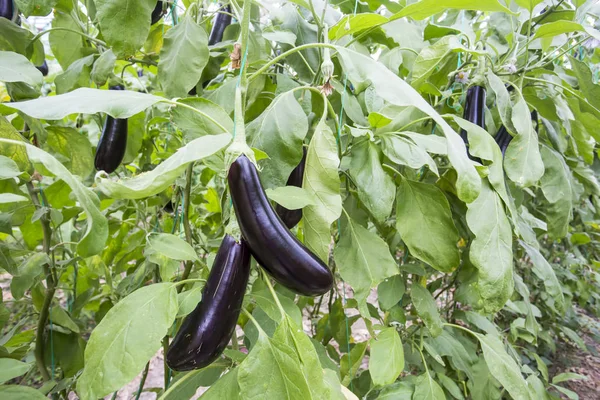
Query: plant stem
<point x="50" y="289"/>
<point x="244" y="44"/>
<point x="272" y="290"/>
<point x="58" y="28"/>
<point x="167" y="371"/>
<point x="186" y="220"/>
<point x="143" y="381"/>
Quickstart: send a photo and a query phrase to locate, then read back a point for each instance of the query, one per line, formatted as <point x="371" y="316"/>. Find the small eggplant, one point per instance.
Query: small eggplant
<point x="291" y="217"/>
<point x="503" y="139"/>
<point x="275" y="248"/>
<point x="113" y="142"/>
<point x="157" y="13"/>
<point x="222" y="21"/>
<point x="7" y="9"/>
<point x="43" y="68"/>
<point x="206" y="331"/>
<point x="474" y="108"/>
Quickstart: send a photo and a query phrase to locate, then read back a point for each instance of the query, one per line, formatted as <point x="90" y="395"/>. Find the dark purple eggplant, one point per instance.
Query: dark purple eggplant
<point x="157" y="13"/>
<point x="113" y="142"/>
<point x="221" y="22"/>
<point x="275" y="248"/>
<point x="206" y="331"/>
<point x="291" y="217"/>
<point x="43" y="68"/>
<point x="7" y="9"/>
<point x="503" y="138"/>
<point x="474" y="108"/>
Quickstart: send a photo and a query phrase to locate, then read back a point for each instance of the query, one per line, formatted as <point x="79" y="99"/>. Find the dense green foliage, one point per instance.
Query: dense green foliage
<point x="459" y="269"/>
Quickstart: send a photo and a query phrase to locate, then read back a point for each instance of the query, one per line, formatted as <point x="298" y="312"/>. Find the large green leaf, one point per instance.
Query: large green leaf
<point x="585" y="78"/>
<point x="556" y="187"/>
<point x="426" y="308"/>
<point x="226" y="387"/>
<point x="350" y="25"/>
<point x="279" y="131"/>
<point x="183" y="57"/>
<point x="126" y="338"/>
<point x="39" y="8"/>
<point x="125" y="24"/>
<point x="363" y="259"/>
<point x="17" y="39"/>
<point x="424" y="221"/>
<point x="75" y="147"/>
<point x="14" y="152"/>
<point x="554" y="28"/>
<point x="15" y="67"/>
<point x="428" y="389"/>
<point x="402" y="150"/>
<point x="426" y="8"/>
<point x="66" y="46"/>
<point x="390" y="291"/>
<point x="76" y="76"/>
<point x="193" y="124"/>
<point x="116" y="103"/>
<point x="361" y="68"/>
<point x="18" y="392"/>
<point x="161" y="177"/>
<point x="170" y="246"/>
<point x="103" y="67"/>
<point x="186" y="385"/>
<point x="491" y="249"/>
<point x="322" y="181"/>
<point x="97" y="227"/>
<point x="387" y="357"/>
<point x="10" y="369"/>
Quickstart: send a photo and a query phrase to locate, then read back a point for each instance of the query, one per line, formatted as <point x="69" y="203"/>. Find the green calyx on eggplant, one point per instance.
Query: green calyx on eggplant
<point x="271" y="243"/>
<point x="291" y="217"/>
<point x="7" y="9"/>
<point x="222" y="21"/>
<point x="205" y="332"/>
<point x="112" y="143"/>
<point x="157" y="13"/>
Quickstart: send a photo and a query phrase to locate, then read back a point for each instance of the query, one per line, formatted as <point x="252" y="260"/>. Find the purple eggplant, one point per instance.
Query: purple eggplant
<point x="113" y="142"/>
<point x="474" y="108"/>
<point x="271" y="243"/>
<point x="7" y="9"/>
<point x="291" y="217"/>
<point x="222" y="21"/>
<point x="157" y="13"/>
<point x="206" y="331"/>
<point x="43" y="68"/>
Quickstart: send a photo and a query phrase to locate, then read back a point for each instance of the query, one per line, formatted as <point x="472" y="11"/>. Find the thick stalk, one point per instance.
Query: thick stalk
<point x="50" y="289"/>
<point x="186" y="220"/>
<point x="244" y="44"/>
<point x="58" y="28"/>
<point x="143" y="381"/>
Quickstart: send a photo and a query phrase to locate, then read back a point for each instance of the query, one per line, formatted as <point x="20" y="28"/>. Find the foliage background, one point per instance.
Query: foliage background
<point x="465" y="274"/>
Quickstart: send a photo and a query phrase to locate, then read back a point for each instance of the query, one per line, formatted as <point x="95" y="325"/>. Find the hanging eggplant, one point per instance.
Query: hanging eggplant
<point x="157" y="13"/>
<point x="113" y="142"/>
<point x="474" y="109"/>
<point x="7" y="9"/>
<point x="206" y="331"/>
<point x="503" y="138"/>
<point x="222" y="21"/>
<point x="43" y="68"/>
<point x="275" y="248"/>
<point x="291" y="217"/>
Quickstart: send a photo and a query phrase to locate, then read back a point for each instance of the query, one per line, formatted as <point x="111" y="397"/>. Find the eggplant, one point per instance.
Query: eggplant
<point x="222" y="21"/>
<point x="157" y="13"/>
<point x="291" y="217"/>
<point x="474" y="108"/>
<point x="206" y="331"/>
<point x="113" y="142"/>
<point x="503" y="138"/>
<point x="7" y="9"/>
<point x="43" y="68"/>
<point x="273" y="246"/>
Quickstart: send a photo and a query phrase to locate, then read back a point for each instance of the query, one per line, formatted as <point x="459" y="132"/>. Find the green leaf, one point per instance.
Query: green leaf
<point x="427" y="389"/>
<point x="426" y="8"/>
<point x="528" y="4"/>
<point x="448" y="345"/>
<point x="388" y="86"/>
<point x="9" y="168"/>
<point x="390" y="291"/>
<point x="450" y="386"/>
<point x="16" y="68"/>
<point x="424" y="221"/>
<point x="186" y="385"/>
<point x="60" y="317"/>
<point x="545" y="272"/>
<point x="150" y="183"/>
<point x="321" y="180"/>
<point x="188" y="300"/>
<point x="17" y="39"/>
<point x="279" y="131"/>
<point x="14" y="152"/>
<point x="387" y="357"/>
<point x="226" y="387"/>
<point x="376" y="188"/>
<point x="351" y="24"/>
<point x="574" y="337"/>
<point x="556" y="187"/>
<point x="426" y="308"/>
<point x="183" y="57"/>
<point x="568" y="376"/>
<point x="66" y="46"/>
<point x="279" y="362"/>
<point x="11" y="198"/>
<point x="76" y="76"/>
<point x="263" y="297"/>
<point x="18" y="392"/>
<point x="75" y="147"/>
<point x="503" y="367"/>
<point x="398" y="391"/>
<point x="39" y="8"/>
<point x="555" y="28"/>
<point x="291" y="197"/>
<point x="116" y="103"/>
<point x="363" y="259"/>
<point x="491" y="249"/>
<point x="286" y="37"/>
<point x="431" y="58"/>
<point x="171" y="246"/>
<point x="96" y="232"/>
<point x="10" y="369"/>
<point x="194" y="125"/>
<point x="27" y="274"/>
<point x="351" y="362"/>
<point x="103" y="67"/>
<point x="402" y="150"/>
<point x="126" y="338"/>
<point x="585" y="78"/>
<point x="125" y="24"/>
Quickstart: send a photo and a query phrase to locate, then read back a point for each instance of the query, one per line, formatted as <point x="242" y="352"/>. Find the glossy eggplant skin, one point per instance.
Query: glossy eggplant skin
<point x="6" y="9"/>
<point x="206" y="331"/>
<point x="474" y="108"/>
<point x="157" y="13"/>
<point x="503" y="138"/>
<point x="291" y="217"/>
<point x="221" y="22"/>
<point x="43" y="68"/>
<point x="112" y="143"/>
<point x="275" y="248"/>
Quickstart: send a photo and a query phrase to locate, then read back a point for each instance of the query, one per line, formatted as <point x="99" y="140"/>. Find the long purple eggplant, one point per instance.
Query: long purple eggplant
<point x="221" y="22"/>
<point x="291" y="217"/>
<point x="157" y="13"/>
<point x="271" y="243"/>
<point x="7" y="9"/>
<point x="206" y="331"/>
<point x="474" y="108"/>
<point x="113" y="142"/>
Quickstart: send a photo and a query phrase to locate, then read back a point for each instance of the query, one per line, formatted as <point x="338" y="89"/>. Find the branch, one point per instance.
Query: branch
<point x="186" y="220"/>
